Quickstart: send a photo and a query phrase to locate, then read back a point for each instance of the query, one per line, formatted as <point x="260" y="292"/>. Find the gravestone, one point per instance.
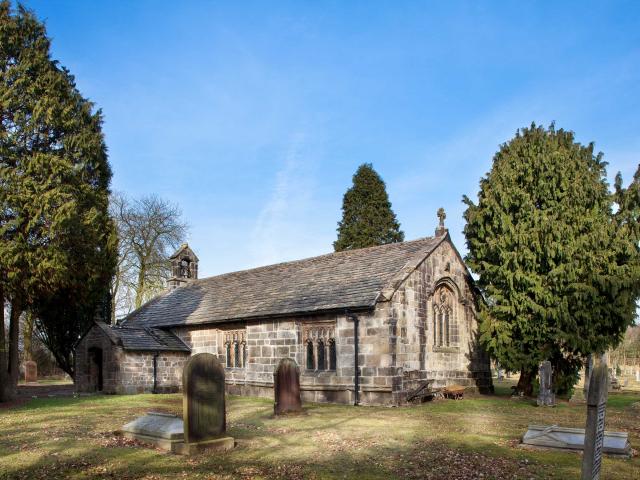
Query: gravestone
<point x="160" y="429"/>
<point x="594" y="431"/>
<point x="580" y="394"/>
<point x="545" y="395"/>
<point x="204" y="404"/>
<point x="30" y="371"/>
<point x="286" y="387"/>
<point x="587" y="374"/>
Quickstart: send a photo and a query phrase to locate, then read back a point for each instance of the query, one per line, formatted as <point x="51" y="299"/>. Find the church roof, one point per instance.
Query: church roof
<point x="143" y="339"/>
<point x="352" y="279"/>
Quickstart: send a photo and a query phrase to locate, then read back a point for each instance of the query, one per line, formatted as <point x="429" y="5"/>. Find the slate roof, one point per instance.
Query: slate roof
<point x="143" y="339"/>
<point x="351" y="279"/>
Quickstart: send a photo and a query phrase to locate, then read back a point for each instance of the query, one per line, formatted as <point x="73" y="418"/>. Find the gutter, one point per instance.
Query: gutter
<point x="356" y="365"/>
<point x="155" y="372"/>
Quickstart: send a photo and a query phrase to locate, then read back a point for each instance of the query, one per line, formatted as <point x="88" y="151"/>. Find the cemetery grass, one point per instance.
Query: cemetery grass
<point x="474" y="438"/>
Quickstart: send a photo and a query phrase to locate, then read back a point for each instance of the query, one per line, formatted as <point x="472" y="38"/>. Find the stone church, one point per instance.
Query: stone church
<point x="397" y="314"/>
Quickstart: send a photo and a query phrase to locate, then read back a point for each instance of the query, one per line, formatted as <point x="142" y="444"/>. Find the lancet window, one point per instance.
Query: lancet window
<point x="235" y="348"/>
<point x="444" y="328"/>
<point x="320" y="346"/>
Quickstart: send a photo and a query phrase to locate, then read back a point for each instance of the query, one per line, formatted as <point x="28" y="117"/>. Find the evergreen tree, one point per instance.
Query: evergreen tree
<point x="556" y="273"/>
<point x="367" y="218"/>
<point x="54" y="177"/>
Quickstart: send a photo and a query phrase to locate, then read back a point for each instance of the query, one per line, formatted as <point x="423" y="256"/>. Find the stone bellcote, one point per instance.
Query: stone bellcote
<point x="184" y="267"/>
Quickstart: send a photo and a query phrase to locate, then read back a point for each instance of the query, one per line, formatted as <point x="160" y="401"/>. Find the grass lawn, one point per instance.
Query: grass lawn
<point x="474" y="438"/>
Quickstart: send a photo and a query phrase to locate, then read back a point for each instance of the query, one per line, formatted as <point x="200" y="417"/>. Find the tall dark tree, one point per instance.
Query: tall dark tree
<point x="557" y="274"/>
<point x="367" y="217"/>
<point x="54" y="179"/>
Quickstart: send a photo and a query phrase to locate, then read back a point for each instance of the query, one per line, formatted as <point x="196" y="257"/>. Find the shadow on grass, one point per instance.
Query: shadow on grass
<point x="445" y="439"/>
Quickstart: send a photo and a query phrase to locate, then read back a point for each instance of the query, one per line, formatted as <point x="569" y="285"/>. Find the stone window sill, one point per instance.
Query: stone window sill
<point x="318" y="373"/>
<point x="240" y="369"/>
<point x="446" y="349"/>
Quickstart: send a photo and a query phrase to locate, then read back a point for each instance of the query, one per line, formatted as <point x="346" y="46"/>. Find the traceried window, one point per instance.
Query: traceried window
<point x="444" y="328"/>
<point x="235" y="348"/>
<point x="320" y="346"/>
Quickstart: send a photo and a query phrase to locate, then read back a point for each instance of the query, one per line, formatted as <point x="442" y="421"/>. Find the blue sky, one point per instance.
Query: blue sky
<point x="253" y="116"/>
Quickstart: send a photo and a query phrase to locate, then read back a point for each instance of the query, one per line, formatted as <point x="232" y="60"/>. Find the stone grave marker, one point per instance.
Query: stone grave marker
<point x="545" y="395"/>
<point x="203" y="404"/>
<point x="594" y="432"/>
<point x="30" y="371"/>
<point x="160" y="429"/>
<point x="286" y="387"/>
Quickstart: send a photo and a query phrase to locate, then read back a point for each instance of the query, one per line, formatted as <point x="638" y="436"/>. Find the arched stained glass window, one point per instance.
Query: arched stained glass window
<point x="443" y="318"/>
<point x="228" y="347"/>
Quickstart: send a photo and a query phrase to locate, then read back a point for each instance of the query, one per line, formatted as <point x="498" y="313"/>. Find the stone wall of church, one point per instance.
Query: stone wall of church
<point x="136" y="372"/>
<point x="96" y="343"/>
<point x="455" y="356"/>
<point x="401" y="344"/>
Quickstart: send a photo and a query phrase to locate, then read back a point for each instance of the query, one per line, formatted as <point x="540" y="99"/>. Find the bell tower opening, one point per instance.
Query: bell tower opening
<point x="184" y="267"/>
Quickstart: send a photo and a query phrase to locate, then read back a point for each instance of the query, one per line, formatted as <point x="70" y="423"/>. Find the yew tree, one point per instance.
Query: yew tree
<point x="367" y="217"/>
<point x="558" y="274"/>
<point x="56" y="241"/>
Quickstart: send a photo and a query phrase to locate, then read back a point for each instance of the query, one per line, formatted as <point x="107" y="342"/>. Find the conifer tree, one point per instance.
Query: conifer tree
<point x="367" y="218"/>
<point x="54" y="176"/>
<point x="557" y="274"/>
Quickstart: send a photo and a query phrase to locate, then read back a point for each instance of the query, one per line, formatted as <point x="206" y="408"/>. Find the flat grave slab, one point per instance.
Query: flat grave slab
<point x="553" y="436"/>
<point x="163" y="430"/>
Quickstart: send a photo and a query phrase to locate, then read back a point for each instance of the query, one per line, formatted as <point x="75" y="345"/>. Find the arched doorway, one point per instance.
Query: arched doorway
<point x="95" y="369"/>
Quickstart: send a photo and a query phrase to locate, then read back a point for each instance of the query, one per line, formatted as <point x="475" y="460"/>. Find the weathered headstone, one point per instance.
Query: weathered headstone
<point x="30" y="371"/>
<point x="204" y="404"/>
<point x="594" y="431"/>
<point x="545" y="394"/>
<point x="286" y="387"/>
<point x="638" y="375"/>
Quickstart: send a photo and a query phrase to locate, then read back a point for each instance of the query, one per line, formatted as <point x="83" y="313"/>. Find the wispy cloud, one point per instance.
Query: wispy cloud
<point x="281" y="231"/>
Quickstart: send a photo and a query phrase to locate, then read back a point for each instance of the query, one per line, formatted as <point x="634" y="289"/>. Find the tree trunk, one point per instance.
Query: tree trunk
<point x="4" y="372"/>
<point x="14" y="357"/>
<point x="141" y="284"/>
<point x="27" y="336"/>
<point x="525" y="384"/>
<point x="114" y="292"/>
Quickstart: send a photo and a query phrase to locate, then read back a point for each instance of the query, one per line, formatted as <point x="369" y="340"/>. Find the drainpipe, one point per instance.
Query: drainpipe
<point x="356" y="378"/>
<point x="155" y="372"/>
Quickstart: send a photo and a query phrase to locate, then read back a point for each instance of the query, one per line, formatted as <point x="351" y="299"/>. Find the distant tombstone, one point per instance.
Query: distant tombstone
<point x="203" y="399"/>
<point x="545" y="394"/>
<point x="286" y="387"/>
<point x="637" y="375"/>
<point x="30" y="371"/>
<point x="594" y="431"/>
<point x="588" y="367"/>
